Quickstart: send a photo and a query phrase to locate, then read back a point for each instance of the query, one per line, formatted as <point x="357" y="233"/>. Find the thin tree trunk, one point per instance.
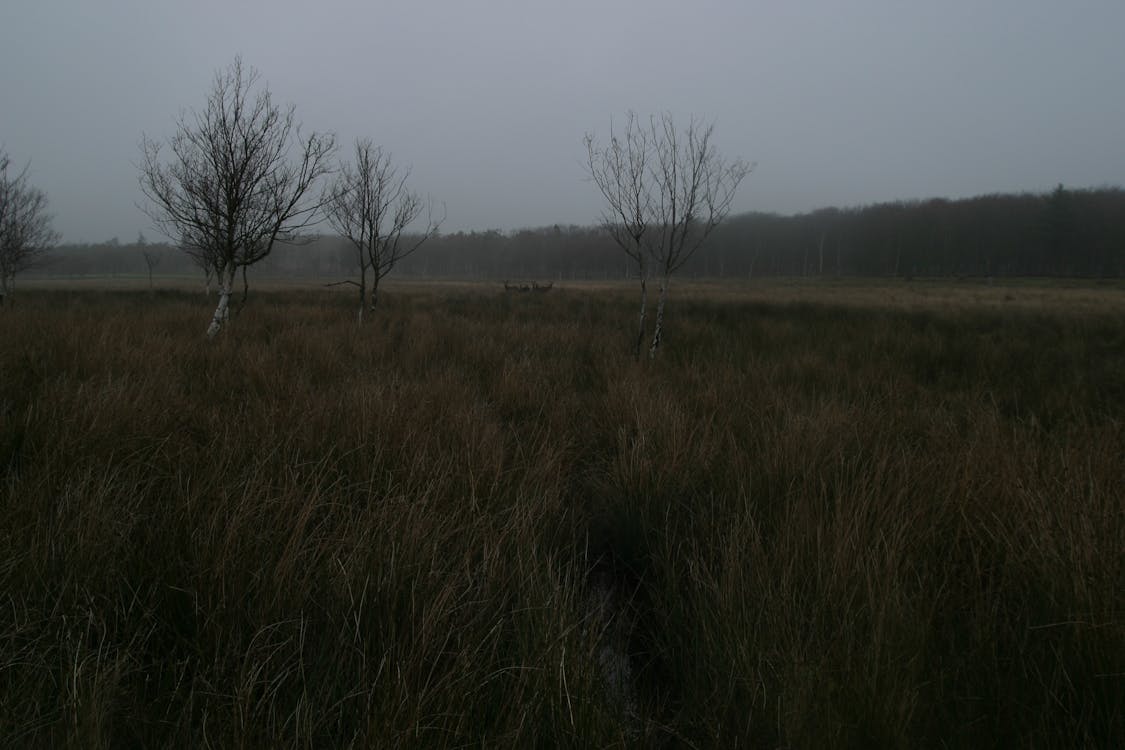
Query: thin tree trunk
<point x="222" y="310"/>
<point x="641" y="322"/>
<point x="362" y="294"/>
<point x="659" y="331"/>
<point x="245" y="289"/>
<point x="374" y="291"/>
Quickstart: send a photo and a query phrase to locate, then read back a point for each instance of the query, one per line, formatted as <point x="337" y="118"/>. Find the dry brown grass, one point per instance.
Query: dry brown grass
<point x="828" y="516"/>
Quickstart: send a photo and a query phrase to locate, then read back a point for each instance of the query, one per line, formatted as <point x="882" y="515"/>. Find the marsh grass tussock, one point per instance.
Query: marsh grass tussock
<point x="823" y="517"/>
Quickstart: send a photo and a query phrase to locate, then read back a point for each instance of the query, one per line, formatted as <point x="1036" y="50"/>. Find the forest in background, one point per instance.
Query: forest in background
<point x="1064" y="233"/>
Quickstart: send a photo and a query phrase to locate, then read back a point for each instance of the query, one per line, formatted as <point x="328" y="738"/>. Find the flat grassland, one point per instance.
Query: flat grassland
<point x="828" y="515"/>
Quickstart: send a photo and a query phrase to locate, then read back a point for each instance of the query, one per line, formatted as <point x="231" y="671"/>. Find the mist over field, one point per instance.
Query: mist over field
<point x="837" y="104"/>
<point x="618" y="375"/>
<point x="1062" y="234"/>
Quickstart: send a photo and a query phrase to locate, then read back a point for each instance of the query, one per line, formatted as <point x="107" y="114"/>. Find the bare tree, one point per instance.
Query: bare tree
<point x="152" y="260"/>
<point x="665" y="189"/>
<point x="370" y="205"/>
<point x="620" y="171"/>
<point x="693" y="188"/>
<point x="25" y="226"/>
<point x="230" y="190"/>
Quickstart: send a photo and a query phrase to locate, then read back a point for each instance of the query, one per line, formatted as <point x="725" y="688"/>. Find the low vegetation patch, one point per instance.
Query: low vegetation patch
<point x="822" y="517"/>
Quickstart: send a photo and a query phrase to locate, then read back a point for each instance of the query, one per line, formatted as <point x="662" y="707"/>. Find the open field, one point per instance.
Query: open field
<point x="830" y="514"/>
<point x="1101" y="296"/>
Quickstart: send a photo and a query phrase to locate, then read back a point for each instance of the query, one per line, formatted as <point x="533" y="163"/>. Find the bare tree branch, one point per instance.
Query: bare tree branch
<point x="694" y="188"/>
<point x="620" y="172"/>
<point x="666" y="188"/>
<point x="370" y="205"/>
<point x="26" y="233"/>
<point x="229" y="188"/>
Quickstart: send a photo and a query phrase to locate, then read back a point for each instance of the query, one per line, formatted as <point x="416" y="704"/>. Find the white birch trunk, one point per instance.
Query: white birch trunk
<point x="644" y="312"/>
<point x="657" y="334"/>
<point x="362" y="293"/>
<point x="222" y="310"/>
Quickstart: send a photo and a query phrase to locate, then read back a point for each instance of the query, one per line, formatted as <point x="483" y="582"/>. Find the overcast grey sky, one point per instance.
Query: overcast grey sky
<point x="838" y="103"/>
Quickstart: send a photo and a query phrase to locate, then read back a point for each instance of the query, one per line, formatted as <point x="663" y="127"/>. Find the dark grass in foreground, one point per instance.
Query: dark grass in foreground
<point x="822" y="525"/>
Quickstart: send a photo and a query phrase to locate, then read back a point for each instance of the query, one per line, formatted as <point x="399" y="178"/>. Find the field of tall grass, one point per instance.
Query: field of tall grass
<point x="826" y="516"/>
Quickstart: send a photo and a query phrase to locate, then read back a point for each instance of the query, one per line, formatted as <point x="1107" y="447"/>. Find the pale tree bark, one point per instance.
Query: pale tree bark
<point x="363" y="268"/>
<point x="658" y="330"/>
<point x="362" y="293"/>
<point x="640" y="342"/>
<point x="240" y="178"/>
<point x="222" y="310"/>
<point x="370" y="205"/>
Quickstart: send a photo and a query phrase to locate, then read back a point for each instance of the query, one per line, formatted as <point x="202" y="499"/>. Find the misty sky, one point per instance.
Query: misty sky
<point x="838" y="103"/>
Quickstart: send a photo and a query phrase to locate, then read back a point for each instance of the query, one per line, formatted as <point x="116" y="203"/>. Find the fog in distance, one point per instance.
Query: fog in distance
<point x="837" y="103"/>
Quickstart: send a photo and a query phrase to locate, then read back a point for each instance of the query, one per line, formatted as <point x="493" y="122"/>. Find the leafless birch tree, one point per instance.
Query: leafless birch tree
<point x="25" y="226"/>
<point x="152" y="259"/>
<point x="620" y="171"/>
<point x="370" y="205"/>
<point x="694" y="188"/>
<point x="239" y="178"/>
<point x="666" y="189"/>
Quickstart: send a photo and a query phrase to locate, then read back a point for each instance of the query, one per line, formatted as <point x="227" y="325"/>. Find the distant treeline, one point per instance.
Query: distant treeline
<point x="1061" y="233"/>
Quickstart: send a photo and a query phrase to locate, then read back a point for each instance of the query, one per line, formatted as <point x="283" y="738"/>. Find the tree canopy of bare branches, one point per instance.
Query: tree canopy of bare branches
<point x="666" y="188"/>
<point x="620" y="172"/>
<point x="239" y="177"/>
<point x="370" y="205"/>
<point x="26" y="233"/>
